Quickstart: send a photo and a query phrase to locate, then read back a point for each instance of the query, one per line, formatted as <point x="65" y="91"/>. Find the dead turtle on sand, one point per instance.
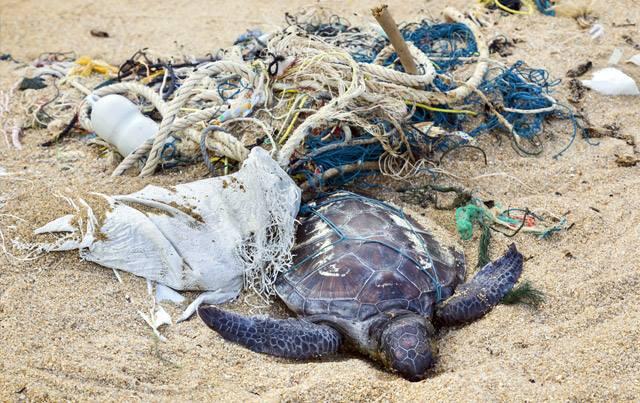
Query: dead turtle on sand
<point x="367" y="277"/>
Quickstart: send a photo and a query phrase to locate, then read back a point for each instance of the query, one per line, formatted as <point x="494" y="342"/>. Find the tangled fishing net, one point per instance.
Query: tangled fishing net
<point x="328" y="100"/>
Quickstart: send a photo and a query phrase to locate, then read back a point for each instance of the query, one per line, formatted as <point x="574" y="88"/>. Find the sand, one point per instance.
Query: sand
<point x="68" y="332"/>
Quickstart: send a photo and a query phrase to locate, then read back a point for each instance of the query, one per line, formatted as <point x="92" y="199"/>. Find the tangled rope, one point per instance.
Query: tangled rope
<point x="170" y="123"/>
<point x="328" y="99"/>
<point x="359" y="87"/>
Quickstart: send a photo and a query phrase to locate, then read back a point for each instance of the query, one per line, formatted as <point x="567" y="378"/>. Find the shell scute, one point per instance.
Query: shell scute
<point x="386" y="285"/>
<point x="339" y="279"/>
<point x="343" y="308"/>
<point x="316" y="307"/>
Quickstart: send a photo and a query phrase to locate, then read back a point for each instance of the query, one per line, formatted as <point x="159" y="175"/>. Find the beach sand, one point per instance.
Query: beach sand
<point x="69" y="332"/>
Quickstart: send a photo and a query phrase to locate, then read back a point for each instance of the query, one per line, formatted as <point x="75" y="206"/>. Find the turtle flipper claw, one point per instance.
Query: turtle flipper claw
<point x="476" y="297"/>
<point x="288" y="338"/>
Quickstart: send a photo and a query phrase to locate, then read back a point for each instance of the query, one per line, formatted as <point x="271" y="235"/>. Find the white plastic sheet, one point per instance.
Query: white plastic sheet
<point x="211" y="235"/>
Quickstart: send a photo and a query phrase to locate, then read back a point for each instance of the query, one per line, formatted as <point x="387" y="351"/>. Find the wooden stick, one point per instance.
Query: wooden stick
<point x="384" y="18"/>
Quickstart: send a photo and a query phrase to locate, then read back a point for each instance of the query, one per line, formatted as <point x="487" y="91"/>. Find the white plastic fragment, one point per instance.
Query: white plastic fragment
<point x="115" y="273"/>
<point x="596" y="31"/>
<point x="615" y="57"/>
<point x="164" y="293"/>
<point x="211" y="297"/>
<point x="611" y="81"/>
<point x="62" y="224"/>
<point x="635" y="59"/>
<point x="157" y="317"/>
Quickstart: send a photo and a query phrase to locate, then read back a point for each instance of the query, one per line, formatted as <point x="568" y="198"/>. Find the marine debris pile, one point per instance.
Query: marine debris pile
<point x="328" y="100"/>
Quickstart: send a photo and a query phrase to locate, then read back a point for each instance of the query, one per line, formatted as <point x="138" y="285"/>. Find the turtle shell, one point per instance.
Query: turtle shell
<point x="356" y="257"/>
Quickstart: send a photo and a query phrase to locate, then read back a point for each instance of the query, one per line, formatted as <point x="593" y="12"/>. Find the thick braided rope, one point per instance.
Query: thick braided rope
<point x="476" y="78"/>
<point x="398" y="77"/>
<point x="299" y="44"/>
<point x="331" y="67"/>
<point x="399" y="82"/>
<point x="182" y="95"/>
<point x="169" y="111"/>
<point x="224" y="143"/>
<point x="448" y="97"/>
<point x="395" y="84"/>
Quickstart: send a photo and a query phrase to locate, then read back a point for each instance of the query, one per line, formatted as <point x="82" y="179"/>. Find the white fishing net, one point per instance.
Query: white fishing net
<point x="214" y="235"/>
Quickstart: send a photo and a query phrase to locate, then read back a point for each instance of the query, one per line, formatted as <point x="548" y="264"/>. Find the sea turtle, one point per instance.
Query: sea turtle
<point x="369" y="278"/>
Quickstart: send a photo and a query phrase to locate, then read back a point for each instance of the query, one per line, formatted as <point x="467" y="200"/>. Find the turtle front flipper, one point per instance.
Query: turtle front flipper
<point x="288" y="338"/>
<point x="476" y="297"/>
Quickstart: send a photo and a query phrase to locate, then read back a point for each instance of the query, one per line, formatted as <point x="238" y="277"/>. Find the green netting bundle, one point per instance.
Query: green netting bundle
<point x="465" y="217"/>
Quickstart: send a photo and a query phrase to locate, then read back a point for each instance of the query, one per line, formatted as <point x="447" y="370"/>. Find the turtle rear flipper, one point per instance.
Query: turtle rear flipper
<point x="288" y="338"/>
<point x="476" y="297"/>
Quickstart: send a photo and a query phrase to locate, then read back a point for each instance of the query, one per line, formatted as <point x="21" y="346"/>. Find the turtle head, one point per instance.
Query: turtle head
<point x="406" y="346"/>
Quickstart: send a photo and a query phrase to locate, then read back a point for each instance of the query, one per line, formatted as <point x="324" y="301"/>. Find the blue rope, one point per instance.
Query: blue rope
<point x="544" y="6"/>
<point x="169" y="151"/>
<point x="448" y="40"/>
<point x="343" y="195"/>
<point x="314" y="163"/>
<point x="227" y="85"/>
<point x="518" y="87"/>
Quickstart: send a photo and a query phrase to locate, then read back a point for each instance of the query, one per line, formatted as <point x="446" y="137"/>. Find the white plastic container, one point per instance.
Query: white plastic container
<point x="118" y="121"/>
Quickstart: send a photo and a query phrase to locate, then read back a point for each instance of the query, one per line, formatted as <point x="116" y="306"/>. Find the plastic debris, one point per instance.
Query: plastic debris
<point x="156" y="318"/>
<point x="210" y="235"/>
<point x="515" y="219"/>
<point x="325" y="137"/>
<point x="119" y="122"/>
<point x="615" y="57"/>
<point x="211" y="298"/>
<point x="611" y="81"/>
<point x="635" y="59"/>
<point x="596" y="31"/>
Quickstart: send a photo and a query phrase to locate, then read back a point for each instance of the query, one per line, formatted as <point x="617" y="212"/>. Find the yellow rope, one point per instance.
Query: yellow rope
<point x="86" y="66"/>
<point x="149" y="78"/>
<point x="293" y="121"/>
<point x="434" y="109"/>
